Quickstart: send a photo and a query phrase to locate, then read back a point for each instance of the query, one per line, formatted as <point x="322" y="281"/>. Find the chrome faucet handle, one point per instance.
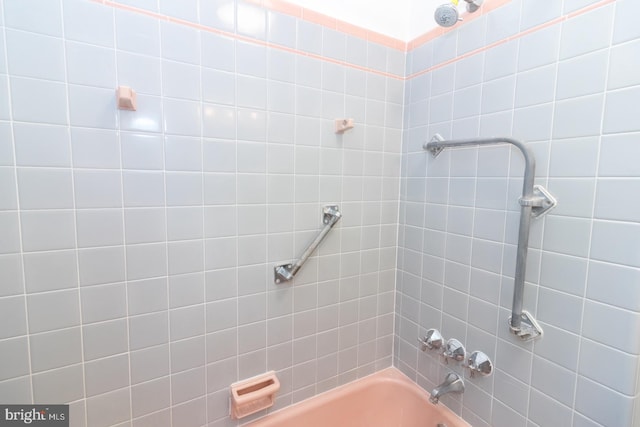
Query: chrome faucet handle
<point x="479" y="363"/>
<point x="431" y="341"/>
<point x="454" y="350"/>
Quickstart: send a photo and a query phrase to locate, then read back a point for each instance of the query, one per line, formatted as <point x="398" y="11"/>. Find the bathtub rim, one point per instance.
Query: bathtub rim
<point x="390" y="374"/>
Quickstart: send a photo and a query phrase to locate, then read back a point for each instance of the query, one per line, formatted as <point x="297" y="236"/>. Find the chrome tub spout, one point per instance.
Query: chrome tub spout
<point x="452" y="384"/>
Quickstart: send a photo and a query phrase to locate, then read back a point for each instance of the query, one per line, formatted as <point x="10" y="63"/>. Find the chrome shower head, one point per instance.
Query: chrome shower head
<point x="446" y="15"/>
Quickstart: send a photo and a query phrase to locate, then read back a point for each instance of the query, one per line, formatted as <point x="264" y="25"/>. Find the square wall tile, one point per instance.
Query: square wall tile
<point x="16" y="358"/>
<point x="617" y="118"/>
<point x="109" y="409"/>
<point x="143" y="189"/>
<point x="616" y="242"/>
<point x="46" y="58"/>
<point x="98" y="189"/>
<point x="101" y="265"/>
<point x="614" y="284"/>
<point x="88" y="22"/>
<point x="602" y="404"/>
<point x="138" y="71"/>
<point x="45" y="188"/>
<point x="137" y="33"/>
<point x="105" y="375"/>
<point x="146" y="261"/>
<point x="625" y="29"/>
<point x="34" y="16"/>
<point x="104" y="339"/>
<point x="9" y="232"/>
<point x="101" y="303"/>
<point x="11" y="275"/>
<point x="53" y="311"/>
<point x="531" y="56"/>
<point x="49" y="271"/>
<point x="147" y="296"/>
<point x="91" y="65"/>
<point x="149" y="363"/>
<point x="62" y="385"/>
<point x="41" y="145"/>
<point x="95" y="148"/>
<point x="92" y="107"/>
<point x="148" y="330"/>
<point x="55" y="349"/>
<point x="586" y="33"/>
<point x="142" y="151"/>
<point x="52" y="107"/>
<point x="47" y="230"/>
<point x="102" y="227"/>
<point x="13" y="317"/>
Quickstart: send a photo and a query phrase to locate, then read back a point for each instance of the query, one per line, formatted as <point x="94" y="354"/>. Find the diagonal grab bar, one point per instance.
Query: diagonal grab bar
<point x="286" y="272"/>
<point x="535" y="201"/>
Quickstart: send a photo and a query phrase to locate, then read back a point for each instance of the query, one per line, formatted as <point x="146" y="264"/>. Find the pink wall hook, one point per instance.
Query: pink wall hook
<point x="343" y="125"/>
<point x="126" y="98"/>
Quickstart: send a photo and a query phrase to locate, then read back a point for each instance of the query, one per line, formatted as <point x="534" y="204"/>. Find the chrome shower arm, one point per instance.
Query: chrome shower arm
<point x="535" y="201"/>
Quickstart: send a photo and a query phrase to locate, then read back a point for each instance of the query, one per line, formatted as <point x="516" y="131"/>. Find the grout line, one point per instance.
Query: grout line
<point x="236" y="236"/>
<point x="83" y="362"/>
<point x="165" y="210"/>
<point x="123" y="223"/>
<point x="203" y="240"/>
<point x="18" y="211"/>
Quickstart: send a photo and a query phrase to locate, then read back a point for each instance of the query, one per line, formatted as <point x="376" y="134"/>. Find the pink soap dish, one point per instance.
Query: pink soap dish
<point x="254" y="394"/>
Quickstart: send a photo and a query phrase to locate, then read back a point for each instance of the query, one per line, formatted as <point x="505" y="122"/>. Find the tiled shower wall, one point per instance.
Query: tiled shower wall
<point x="137" y="248"/>
<point x="565" y="80"/>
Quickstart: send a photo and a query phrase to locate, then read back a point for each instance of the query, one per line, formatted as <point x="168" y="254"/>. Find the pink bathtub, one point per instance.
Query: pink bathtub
<point x="385" y="399"/>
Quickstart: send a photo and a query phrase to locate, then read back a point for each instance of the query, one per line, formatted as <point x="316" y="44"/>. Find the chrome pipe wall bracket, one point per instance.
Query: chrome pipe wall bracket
<point x="285" y="272"/>
<point x="535" y="202"/>
<point x="541" y="202"/>
<point x="528" y="329"/>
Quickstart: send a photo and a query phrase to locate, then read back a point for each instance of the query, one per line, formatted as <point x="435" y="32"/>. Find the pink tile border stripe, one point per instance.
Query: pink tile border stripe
<point x="284" y="7"/>
<point x="487" y="6"/>
<point x="305" y="14"/>
<point x="240" y="37"/>
<point x="300" y="12"/>
<point x="514" y="37"/>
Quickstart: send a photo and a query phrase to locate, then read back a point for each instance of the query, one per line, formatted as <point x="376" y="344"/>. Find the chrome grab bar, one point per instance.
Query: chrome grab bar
<point x="535" y="201"/>
<point x="285" y="272"/>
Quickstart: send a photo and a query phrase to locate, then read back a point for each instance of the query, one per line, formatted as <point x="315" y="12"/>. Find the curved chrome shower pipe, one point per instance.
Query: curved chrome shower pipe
<point x="535" y="201"/>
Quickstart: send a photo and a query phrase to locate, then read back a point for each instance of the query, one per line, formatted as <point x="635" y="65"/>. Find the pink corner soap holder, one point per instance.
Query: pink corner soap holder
<point x="254" y="394"/>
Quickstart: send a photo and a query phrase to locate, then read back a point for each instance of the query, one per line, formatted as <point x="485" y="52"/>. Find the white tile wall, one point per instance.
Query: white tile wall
<point x="137" y="247"/>
<point x="154" y="232"/>
<point x="566" y="90"/>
